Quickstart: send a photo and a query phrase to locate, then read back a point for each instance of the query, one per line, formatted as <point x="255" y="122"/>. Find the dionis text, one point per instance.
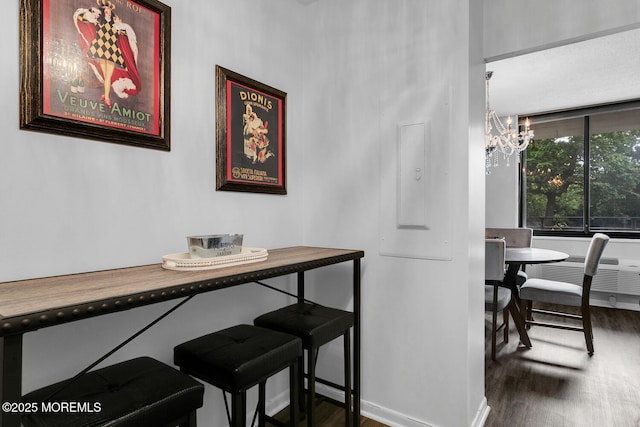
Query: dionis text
<point x="256" y="99"/>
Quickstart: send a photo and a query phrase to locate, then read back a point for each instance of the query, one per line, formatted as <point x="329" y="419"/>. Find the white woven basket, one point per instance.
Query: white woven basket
<point x="184" y="262"/>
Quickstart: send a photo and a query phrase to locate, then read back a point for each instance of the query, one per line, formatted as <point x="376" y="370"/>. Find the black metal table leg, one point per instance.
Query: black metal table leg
<point x="11" y="379"/>
<point x="356" y="341"/>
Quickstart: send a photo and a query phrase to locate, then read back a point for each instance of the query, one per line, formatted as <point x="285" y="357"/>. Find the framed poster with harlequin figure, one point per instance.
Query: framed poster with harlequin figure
<point x="97" y="69"/>
<point x="250" y="135"/>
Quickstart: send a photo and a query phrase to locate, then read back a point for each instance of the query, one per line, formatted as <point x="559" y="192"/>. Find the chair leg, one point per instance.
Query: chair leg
<point x="311" y="385"/>
<point x="191" y="421"/>
<point x="347" y="378"/>
<point x="239" y="409"/>
<point x="494" y="332"/>
<point x="261" y="403"/>
<point x="505" y="321"/>
<point x="588" y="330"/>
<point x="494" y="320"/>
<point x="301" y="388"/>
<point x="294" y="391"/>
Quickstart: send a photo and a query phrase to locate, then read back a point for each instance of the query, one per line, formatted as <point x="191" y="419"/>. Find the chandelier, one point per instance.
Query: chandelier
<point x="501" y="140"/>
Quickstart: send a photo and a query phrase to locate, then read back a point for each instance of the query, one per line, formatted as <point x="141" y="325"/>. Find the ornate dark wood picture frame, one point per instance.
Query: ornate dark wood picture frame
<point x="250" y="135"/>
<point x="97" y="69"/>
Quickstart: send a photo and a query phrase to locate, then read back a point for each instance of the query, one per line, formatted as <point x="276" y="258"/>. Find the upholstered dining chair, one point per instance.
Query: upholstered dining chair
<point x="566" y="294"/>
<point x="515" y="237"/>
<point x="496" y="298"/>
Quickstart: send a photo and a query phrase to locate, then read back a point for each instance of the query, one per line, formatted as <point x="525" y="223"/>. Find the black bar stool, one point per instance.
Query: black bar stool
<point x="316" y="325"/>
<point x="134" y="393"/>
<point x="238" y="358"/>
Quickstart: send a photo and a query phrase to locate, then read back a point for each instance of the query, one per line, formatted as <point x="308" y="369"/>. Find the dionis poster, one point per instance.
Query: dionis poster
<point x="101" y="63"/>
<point x="254" y="139"/>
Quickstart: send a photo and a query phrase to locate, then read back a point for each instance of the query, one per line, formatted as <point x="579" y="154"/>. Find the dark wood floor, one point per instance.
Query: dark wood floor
<point x="556" y="383"/>
<point x="329" y="415"/>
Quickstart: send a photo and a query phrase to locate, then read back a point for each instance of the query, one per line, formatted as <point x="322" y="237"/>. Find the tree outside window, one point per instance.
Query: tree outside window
<point x="576" y="185"/>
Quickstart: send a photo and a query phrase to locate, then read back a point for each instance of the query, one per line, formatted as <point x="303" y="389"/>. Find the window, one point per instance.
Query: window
<point x="582" y="173"/>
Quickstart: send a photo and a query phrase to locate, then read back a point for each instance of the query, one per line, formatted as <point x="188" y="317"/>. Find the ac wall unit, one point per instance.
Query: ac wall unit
<point x="615" y="275"/>
<point x="629" y="277"/>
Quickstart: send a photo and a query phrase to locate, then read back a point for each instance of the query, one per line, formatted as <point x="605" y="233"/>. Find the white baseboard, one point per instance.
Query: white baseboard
<point x="482" y="414"/>
<point x="396" y="419"/>
<point x="390" y="417"/>
<point x="275" y="404"/>
<point x="393" y="418"/>
<point x="371" y="410"/>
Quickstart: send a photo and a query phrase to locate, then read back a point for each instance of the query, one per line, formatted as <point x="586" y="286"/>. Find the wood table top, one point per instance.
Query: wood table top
<point x="27" y="305"/>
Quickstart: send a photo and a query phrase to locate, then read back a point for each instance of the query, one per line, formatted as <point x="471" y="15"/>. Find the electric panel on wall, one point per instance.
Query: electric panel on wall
<point x="414" y="207"/>
<point x="411" y="181"/>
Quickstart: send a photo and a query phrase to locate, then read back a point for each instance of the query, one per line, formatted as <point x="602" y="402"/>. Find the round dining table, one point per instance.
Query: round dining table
<point x="515" y="258"/>
<point x="533" y="256"/>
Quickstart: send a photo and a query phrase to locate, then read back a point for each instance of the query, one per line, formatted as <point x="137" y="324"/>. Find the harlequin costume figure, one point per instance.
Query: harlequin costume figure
<point x="111" y="49"/>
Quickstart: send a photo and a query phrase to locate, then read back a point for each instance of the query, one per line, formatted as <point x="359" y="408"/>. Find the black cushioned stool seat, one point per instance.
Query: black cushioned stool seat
<point x="238" y="358"/>
<point x="316" y="325"/>
<point x="137" y="392"/>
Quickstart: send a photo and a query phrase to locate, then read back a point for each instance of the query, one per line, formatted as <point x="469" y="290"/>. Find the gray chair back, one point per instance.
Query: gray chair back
<point x="514" y="237"/>
<point x="494" y="259"/>
<point x="594" y="253"/>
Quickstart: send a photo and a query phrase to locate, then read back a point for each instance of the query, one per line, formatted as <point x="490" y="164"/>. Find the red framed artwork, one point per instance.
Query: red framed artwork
<point x="250" y="135"/>
<point x="97" y="69"/>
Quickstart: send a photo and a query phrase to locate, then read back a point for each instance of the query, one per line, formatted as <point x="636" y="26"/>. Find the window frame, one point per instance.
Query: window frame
<point x="585" y="113"/>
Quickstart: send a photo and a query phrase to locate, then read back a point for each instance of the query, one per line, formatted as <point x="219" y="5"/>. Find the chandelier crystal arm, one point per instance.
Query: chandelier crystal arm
<point x="500" y="138"/>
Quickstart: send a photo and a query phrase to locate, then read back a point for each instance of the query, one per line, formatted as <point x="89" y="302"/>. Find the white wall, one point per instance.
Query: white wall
<point x="352" y="71"/>
<point x="71" y="205"/>
<point x="377" y="64"/>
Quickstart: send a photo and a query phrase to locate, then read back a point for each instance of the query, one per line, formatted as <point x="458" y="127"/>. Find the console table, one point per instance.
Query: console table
<point x="28" y="305"/>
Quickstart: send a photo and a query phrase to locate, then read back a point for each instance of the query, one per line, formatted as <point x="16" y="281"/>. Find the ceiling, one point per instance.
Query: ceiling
<point x="595" y="71"/>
